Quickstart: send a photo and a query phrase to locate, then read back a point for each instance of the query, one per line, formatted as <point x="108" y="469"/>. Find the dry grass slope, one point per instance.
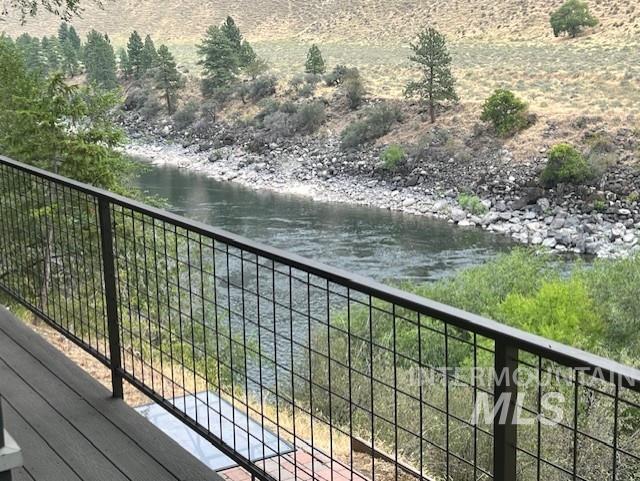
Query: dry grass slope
<point x="359" y="21"/>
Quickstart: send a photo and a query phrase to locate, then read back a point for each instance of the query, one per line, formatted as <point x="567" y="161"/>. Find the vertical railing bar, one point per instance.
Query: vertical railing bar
<point x="505" y="389"/>
<point x="576" y="380"/>
<point x="109" y="272"/>
<point x="616" y="402"/>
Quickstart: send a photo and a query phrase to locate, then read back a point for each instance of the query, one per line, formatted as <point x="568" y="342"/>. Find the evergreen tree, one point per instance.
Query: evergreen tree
<point x="74" y="39"/>
<point x="31" y="50"/>
<point x="125" y="63"/>
<point x="167" y="78"/>
<point x="149" y="56"/>
<point x="232" y="32"/>
<point x="247" y="55"/>
<point x="315" y="62"/>
<point x="571" y="18"/>
<point x="63" y="33"/>
<point x="219" y="59"/>
<point x="70" y="59"/>
<point x="134" y="50"/>
<point x="51" y="50"/>
<point x="100" y="61"/>
<point x="437" y="83"/>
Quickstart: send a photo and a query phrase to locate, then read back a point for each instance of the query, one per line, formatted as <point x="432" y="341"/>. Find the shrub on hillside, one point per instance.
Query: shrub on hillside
<point x="392" y="156"/>
<point x="287" y="118"/>
<point x="506" y="112"/>
<point x="354" y="91"/>
<point x="258" y="88"/>
<point x="377" y="121"/>
<point x="340" y="74"/>
<point x="186" y="116"/>
<point x="571" y="18"/>
<point x="565" y="165"/>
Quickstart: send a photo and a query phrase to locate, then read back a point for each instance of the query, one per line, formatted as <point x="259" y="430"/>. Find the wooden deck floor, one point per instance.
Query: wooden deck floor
<point x="69" y="427"/>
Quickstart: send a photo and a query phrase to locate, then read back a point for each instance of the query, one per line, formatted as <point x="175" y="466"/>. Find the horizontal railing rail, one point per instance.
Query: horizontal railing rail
<point x="355" y="378"/>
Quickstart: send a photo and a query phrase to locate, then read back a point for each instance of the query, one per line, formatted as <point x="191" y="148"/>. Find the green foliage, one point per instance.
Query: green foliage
<point x="315" y="63"/>
<point x="600" y="205"/>
<point x="149" y="55"/>
<point x="256" y="67"/>
<point x="134" y="51"/>
<point x="565" y="165"/>
<point x="376" y="122"/>
<point x="437" y="84"/>
<point x="124" y="63"/>
<point x="571" y="18"/>
<point x="506" y="112"/>
<point x="167" y="78"/>
<point x="472" y="204"/>
<point x="219" y="60"/>
<point x="561" y="310"/>
<point x="65" y="9"/>
<point x="340" y="74"/>
<point x="392" y="156"/>
<point x="258" y="89"/>
<point x="100" y="61"/>
<point x="288" y="118"/>
<point x="31" y="51"/>
<point x="49" y="124"/>
<point x="187" y="115"/>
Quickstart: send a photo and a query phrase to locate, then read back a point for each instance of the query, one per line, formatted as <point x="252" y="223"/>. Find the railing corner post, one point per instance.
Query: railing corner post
<point x="505" y="435"/>
<point x="111" y="299"/>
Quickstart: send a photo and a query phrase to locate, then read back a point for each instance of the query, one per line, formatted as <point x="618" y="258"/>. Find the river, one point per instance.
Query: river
<point x="383" y="245"/>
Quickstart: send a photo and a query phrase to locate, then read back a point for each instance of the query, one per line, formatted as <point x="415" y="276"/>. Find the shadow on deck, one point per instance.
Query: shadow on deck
<point x="68" y="425"/>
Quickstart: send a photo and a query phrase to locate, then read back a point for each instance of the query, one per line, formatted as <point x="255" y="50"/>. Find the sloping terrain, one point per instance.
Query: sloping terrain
<point x="366" y="21"/>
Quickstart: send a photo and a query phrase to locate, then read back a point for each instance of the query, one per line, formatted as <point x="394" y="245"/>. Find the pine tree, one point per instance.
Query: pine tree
<point x="167" y="77"/>
<point x="134" y="49"/>
<point x="232" y="32"/>
<point x="51" y="50"/>
<point x="149" y="56"/>
<point x="437" y="83"/>
<point x="219" y="59"/>
<point x="100" y="61"/>
<point x="31" y="50"/>
<point x="70" y="59"/>
<point x="63" y="33"/>
<point x="315" y="62"/>
<point x="125" y="63"/>
<point x="74" y="39"/>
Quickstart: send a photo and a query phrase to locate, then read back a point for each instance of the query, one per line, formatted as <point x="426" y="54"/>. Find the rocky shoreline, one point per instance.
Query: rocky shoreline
<point x="559" y="220"/>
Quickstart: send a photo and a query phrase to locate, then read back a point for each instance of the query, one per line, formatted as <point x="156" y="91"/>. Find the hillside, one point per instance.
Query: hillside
<point x="359" y="21"/>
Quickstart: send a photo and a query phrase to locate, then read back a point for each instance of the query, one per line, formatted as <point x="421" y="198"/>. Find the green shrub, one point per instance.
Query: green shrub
<point x="258" y="89"/>
<point x="288" y="118"/>
<point x="565" y="165"/>
<point x="340" y="74"/>
<point x="376" y="122"/>
<point x="354" y="91"/>
<point x="599" y="205"/>
<point x="310" y="117"/>
<point x="186" y="116"/>
<point x="392" y="156"/>
<point x="506" y="112"/>
<point x="472" y="204"/>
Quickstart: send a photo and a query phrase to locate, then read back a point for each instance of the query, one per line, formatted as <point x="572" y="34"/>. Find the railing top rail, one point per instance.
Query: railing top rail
<point x="552" y="350"/>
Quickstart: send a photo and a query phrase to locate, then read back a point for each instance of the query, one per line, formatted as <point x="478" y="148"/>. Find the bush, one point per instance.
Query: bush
<point x="310" y="117"/>
<point x="258" y="89"/>
<point x="472" y="204"/>
<point x="565" y="165"/>
<point x="151" y="108"/>
<point x="377" y="122"/>
<point x="287" y="118"/>
<point x="354" y="91"/>
<point x="340" y="74"/>
<point x="506" y="112"/>
<point x="136" y="98"/>
<point x="186" y="116"/>
<point x="392" y="156"/>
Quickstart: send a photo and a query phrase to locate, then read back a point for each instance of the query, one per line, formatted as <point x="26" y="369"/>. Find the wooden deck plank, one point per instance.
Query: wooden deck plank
<point x="108" y="439"/>
<point x="85" y="459"/>
<point x="42" y="461"/>
<point x="158" y="447"/>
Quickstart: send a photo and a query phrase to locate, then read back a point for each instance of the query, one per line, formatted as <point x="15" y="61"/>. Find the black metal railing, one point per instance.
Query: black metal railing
<point x="355" y="379"/>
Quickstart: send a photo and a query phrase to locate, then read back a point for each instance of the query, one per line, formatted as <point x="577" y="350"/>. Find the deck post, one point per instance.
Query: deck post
<point x="109" y="272"/>
<point x="505" y="438"/>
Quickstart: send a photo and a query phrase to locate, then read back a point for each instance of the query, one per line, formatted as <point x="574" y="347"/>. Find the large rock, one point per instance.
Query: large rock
<point x="458" y="214"/>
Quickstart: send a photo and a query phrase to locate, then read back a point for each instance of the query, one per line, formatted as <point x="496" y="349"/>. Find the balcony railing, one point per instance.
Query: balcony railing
<point x="381" y="383"/>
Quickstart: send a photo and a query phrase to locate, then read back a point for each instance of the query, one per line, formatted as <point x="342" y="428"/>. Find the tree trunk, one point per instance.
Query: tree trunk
<point x="46" y="275"/>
